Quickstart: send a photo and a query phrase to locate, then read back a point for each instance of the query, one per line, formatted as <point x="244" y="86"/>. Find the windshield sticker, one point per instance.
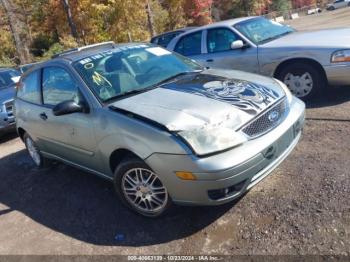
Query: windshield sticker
<point x="110" y="52"/>
<point x="89" y="66"/>
<point x="100" y="80"/>
<point x="84" y="61"/>
<point x="158" y="51"/>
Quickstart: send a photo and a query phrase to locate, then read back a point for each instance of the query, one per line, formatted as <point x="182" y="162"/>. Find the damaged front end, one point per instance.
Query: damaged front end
<point x="207" y="112"/>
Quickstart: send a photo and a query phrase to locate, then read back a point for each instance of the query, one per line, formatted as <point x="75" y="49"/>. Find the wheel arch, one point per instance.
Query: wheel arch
<point x="118" y="155"/>
<point x="309" y="61"/>
<point x="21" y="132"/>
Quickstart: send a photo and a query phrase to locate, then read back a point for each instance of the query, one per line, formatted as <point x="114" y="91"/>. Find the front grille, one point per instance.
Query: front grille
<point x="267" y="121"/>
<point x="9" y="108"/>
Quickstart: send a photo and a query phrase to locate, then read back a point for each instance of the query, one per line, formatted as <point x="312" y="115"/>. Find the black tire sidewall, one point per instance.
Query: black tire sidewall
<point x="120" y="171"/>
<point x="319" y="82"/>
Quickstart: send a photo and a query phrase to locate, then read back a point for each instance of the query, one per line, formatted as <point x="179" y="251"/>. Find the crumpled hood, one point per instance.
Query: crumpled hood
<point x="7" y="93"/>
<point x="332" y="38"/>
<point x="208" y="98"/>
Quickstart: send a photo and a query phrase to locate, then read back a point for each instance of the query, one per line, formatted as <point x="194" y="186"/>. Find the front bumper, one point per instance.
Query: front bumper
<point x="338" y="74"/>
<point x="226" y="176"/>
<point x="7" y="123"/>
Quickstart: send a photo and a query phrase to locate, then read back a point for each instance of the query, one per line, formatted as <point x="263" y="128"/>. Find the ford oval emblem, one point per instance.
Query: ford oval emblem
<point x="273" y="116"/>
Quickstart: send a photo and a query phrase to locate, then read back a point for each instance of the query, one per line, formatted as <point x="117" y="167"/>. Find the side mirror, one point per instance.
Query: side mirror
<point x="68" y="107"/>
<point x="238" y="44"/>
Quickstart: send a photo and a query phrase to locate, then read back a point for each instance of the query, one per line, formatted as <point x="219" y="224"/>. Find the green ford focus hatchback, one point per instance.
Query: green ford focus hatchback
<point x="162" y="128"/>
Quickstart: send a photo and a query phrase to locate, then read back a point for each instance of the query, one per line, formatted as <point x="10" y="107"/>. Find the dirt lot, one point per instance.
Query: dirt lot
<point x="324" y="20"/>
<point x="303" y="208"/>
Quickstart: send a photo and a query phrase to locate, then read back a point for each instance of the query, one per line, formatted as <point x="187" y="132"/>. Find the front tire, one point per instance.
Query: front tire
<point x="303" y="80"/>
<point x="140" y="189"/>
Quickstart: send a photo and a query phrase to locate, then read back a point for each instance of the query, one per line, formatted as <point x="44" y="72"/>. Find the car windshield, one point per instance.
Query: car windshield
<point x="8" y="77"/>
<point x="131" y="69"/>
<point x="261" y="30"/>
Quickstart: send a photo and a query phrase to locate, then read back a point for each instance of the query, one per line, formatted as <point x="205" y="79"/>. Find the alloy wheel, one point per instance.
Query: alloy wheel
<point x="144" y="191"/>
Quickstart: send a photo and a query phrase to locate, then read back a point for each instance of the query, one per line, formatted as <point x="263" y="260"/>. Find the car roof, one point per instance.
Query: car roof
<point x="76" y="54"/>
<point x="30" y="64"/>
<point x="184" y="29"/>
<point x="4" y="69"/>
<point x="229" y="22"/>
<point x="225" y="23"/>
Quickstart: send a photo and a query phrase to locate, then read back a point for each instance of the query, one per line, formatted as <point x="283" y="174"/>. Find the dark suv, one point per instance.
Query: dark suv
<point x="8" y="80"/>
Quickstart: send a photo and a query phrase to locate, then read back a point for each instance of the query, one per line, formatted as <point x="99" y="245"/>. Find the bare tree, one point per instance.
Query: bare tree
<point x="71" y="23"/>
<point x="150" y="19"/>
<point x="19" y="30"/>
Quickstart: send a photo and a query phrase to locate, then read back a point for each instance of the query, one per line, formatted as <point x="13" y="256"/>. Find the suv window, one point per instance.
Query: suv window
<point x="29" y="89"/>
<point x="220" y="39"/>
<point x="190" y="44"/>
<point x="58" y="86"/>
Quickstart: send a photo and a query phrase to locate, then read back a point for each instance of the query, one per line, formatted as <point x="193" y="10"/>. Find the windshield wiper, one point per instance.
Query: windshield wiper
<point x="274" y="37"/>
<point x="127" y="93"/>
<point x="176" y="76"/>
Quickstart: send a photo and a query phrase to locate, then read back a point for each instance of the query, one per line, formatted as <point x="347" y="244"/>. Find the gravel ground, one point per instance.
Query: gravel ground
<point x="303" y="208"/>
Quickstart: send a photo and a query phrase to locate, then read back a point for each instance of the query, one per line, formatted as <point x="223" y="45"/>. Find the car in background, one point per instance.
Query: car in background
<point x="164" y="39"/>
<point x="8" y="79"/>
<point x="338" y="4"/>
<point x="161" y="127"/>
<point x="305" y="61"/>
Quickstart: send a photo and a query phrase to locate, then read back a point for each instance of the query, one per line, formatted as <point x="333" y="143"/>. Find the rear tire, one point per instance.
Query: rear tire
<point x="304" y="80"/>
<point x="39" y="160"/>
<point x="140" y="189"/>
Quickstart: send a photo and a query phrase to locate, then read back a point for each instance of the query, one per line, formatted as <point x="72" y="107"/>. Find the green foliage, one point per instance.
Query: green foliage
<point x="40" y="44"/>
<point x="7" y="50"/>
<point x="281" y="5"/>
<point x="64" y="44"/>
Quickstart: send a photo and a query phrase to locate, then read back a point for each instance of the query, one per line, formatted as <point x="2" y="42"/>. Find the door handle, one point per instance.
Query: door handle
<point x="43" y="116"/>
<point x="210" y="60"/>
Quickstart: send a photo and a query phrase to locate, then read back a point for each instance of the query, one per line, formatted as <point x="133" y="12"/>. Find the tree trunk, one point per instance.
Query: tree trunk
<point x="150" y="19"/>
<point x="71" y="23"/>
<point x="19" y="31"/>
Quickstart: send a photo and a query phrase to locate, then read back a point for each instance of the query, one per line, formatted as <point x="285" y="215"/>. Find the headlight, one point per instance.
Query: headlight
<point x="286" y="90"/>
<point x="209" y="140"/>
<point x="341" y="56"/>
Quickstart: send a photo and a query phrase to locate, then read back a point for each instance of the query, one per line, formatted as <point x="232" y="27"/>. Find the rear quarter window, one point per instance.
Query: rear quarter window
<point x="190" y="44"/>
<point x="29" y="89"/>
<point x="165" y="39"/>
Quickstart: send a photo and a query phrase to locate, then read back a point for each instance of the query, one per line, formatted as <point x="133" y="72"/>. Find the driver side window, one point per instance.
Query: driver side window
<point x="220" y="39"/>
<point x="58" y="86"/>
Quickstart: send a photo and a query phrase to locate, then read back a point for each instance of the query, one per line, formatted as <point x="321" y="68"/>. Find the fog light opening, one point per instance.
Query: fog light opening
<point x="222" y="193"/>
